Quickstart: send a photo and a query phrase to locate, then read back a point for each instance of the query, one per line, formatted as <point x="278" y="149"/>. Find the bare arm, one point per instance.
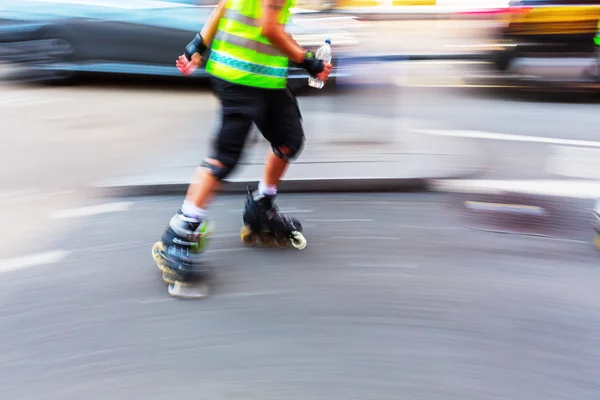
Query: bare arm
<point x="210" y="28"/>
<point x="275" y="32"/>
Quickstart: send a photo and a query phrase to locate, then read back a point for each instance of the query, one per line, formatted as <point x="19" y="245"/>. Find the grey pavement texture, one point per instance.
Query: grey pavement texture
<point x="392" y="299"/>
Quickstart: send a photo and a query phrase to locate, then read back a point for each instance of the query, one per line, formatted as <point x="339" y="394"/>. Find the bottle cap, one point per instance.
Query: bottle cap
<point x="328" y="41"/>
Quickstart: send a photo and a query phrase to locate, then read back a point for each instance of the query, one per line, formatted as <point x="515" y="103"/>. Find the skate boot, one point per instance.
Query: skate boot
<point x="179" y="255"/>
<point x="263" y="222"/>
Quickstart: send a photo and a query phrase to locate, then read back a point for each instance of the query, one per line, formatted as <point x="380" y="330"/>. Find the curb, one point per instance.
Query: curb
<point x="287" y="186"/>
<point x="148" y="186"/>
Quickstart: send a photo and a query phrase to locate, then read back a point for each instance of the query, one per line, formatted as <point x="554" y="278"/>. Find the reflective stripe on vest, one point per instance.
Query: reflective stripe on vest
<point x="247" y="43"/>
<point x="241" y="54"/>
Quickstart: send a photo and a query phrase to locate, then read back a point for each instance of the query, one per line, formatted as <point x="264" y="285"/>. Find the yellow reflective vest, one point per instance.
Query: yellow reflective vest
<point x="241" y="54"/>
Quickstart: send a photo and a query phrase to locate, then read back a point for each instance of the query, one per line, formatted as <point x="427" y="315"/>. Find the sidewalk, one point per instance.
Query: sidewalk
<point x="344" y="152"/>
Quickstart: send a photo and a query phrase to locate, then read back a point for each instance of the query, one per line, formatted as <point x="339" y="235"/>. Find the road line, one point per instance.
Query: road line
<point x="34" y="260"/>
<point x="557" y="239"/>
<point x="17" y="193"/>
<point x="574" y="162"/>
<point x="509" y="137"/>
<point x="35" y="197"/>
<point x="92" y="210"/>
<point x="581" y="189"/>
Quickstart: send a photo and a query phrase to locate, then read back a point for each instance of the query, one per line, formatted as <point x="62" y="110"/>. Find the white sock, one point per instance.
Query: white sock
<point x="267" y="190"/>
<point x="191" y="211"/>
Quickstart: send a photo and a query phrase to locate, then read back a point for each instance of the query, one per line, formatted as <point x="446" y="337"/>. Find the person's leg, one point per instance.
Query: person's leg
<point x="184" y="238"/>
<point x="282" y="127"/>
<point x="240" y="106"/>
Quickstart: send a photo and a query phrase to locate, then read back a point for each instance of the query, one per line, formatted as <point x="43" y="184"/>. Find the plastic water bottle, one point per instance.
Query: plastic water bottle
<point x="324" y="53"/>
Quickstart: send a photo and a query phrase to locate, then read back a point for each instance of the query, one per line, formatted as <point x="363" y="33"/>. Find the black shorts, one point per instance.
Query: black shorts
<point x="274" y="112"/>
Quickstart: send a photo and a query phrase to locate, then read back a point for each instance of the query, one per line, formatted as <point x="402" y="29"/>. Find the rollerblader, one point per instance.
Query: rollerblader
<point x="248" y="65"/>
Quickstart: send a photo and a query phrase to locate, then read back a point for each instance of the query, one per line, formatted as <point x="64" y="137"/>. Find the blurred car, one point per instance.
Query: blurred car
<point x="59" y="39"/>
<point x="545" y="40"/>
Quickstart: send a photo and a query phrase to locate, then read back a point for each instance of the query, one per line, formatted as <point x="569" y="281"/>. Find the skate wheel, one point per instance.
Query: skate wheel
<point x="156" y="250"/>
<point x="596" y="241"/>
<point x="247" y="236"/>
<point x="281" y="241"/>
<point x="162" y="265"/>
<point x="298" y="241"/>
<point x="188" y="290"/>
<point x="168" y="277"/>
<point x="265" y="239"/>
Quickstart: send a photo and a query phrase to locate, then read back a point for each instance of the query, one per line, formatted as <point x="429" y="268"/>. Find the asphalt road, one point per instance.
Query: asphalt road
<point x="393" y="298"/>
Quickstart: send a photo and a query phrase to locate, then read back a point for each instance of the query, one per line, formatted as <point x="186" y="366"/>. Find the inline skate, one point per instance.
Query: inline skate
<point x="264" y="223"/>
<point x="179" y="255"/>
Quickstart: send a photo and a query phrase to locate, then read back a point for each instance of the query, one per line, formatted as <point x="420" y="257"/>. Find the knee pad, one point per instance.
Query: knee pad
<point x="295" y="150"/>
<point x="218" y="172"/>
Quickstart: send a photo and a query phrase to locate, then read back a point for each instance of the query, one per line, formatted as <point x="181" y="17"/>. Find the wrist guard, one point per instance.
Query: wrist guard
<point x="195" y="46"/>
<point x="311" y="64"/>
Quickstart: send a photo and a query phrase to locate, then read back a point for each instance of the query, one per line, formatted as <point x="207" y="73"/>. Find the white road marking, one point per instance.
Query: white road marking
<point x="28" y="100"/>
<point x="582" y="189"/>
<point x="17" y="193"/>
<point x="557" y="239"/>
<point x="92" y="210"/>
<point x="34" y="260"/>
<point x="575" y="162"/>
<point x="35" y="197"/>
<point x="509" y="137"/>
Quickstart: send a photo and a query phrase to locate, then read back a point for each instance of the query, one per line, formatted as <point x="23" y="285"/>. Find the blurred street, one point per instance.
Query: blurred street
<point x="395" y="297"/>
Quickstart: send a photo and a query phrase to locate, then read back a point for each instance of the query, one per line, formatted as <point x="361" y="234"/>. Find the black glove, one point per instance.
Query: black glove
<point x="195" y="46"/>
<point x="311" y="64"/>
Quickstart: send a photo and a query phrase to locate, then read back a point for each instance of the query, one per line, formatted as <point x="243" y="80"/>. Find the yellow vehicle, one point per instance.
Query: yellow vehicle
<point x="546" y="29"/>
